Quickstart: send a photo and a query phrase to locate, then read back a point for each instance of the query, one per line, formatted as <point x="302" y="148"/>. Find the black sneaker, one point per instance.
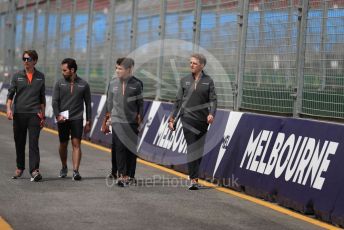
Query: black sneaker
<point x="63" y="172"/>
<point x="194" y="185"/>
<point x="76" y="175"/>
<point x="18" y="173"/>
<point x="36" y="176"/>
<point x="120" y="183"/>
<point x="132" y="181"/>
<point x="112" y="175"/>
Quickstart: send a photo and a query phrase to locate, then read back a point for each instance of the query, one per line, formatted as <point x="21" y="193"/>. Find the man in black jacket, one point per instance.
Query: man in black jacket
<point x="69" y="96"/>
<point x="28" y="112"/>
<point x="125" y="106"/>
<point x="195" y="104"/>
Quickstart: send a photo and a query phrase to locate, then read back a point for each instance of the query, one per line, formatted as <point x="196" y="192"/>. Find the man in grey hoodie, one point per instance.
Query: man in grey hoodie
<point x="125" y="106"/>
<point x="26" y="107"/>
<point x="195" y="105"/>
<point x="69" y="96"/>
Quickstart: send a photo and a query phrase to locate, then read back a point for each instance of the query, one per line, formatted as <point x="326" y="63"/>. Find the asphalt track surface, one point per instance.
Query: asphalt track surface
<point x="160" y="200"/>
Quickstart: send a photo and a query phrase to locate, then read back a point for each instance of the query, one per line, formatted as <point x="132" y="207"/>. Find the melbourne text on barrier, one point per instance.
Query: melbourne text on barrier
<point x="300" y="159"/>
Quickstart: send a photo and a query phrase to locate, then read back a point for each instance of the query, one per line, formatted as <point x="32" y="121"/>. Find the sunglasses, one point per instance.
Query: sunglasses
<point x="29" y="59"/>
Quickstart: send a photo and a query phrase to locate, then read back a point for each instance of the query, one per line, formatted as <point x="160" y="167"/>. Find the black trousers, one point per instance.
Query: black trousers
<point x="124" y="144"/>
<point x="195" y="134"/>
<point x="23" y="122"/>
<point x="113" y="153"/>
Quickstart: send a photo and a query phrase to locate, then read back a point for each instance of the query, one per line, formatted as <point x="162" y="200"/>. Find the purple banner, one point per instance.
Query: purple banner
<point x="296" y="162"/>
<point x="162" y="146"/>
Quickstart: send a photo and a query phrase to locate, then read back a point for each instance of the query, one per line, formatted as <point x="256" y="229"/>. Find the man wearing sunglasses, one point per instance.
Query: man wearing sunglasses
<point x="26" y="107"/>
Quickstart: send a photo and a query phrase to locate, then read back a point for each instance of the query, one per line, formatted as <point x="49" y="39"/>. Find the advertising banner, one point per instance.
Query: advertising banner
<point x="298" y="162"/>
<point x="162" y="146"/>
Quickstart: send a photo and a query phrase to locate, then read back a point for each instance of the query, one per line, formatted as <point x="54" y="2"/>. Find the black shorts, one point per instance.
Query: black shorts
<point x="73" y="128"/>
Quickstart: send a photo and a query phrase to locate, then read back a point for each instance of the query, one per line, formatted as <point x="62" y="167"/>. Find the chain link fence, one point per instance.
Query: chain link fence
<point x="283" y="57"/>
<point x="271" y="49"/>
<point x="147" y="31"/>
<point x="2" y="42"/>
<point x="219" y="35"/>
<point x="324" y="60"/>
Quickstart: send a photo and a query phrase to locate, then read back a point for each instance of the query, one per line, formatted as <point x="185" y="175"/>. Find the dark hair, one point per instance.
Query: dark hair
<point x="125" y="62"/>
<point x="32" y="54"/>
<point x="202" y="59"/>
<point x="71" y="63"/>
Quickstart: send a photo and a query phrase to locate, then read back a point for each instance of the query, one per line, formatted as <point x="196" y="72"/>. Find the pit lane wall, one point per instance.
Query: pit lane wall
<point x="295" y="162"/>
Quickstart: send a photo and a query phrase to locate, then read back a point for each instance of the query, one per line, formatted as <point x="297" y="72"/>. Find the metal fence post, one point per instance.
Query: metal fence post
<point x="322" y="44"/>
<point x="57" y="40"/>
<point x="12" y="36"/>
<point x="23" y="32"/>
<point x="46" y="33"/>
<point x="9" y="43"/>
<point x="288" y="40"/>
<point x="72" y="30"/>
<point x="162" y="27"/>
<point x="180" y="18"/>
<point x="133" y="31"/>
<point x="242" y="35"/>
<point x="300" y="59"/>
<point x="89" y="39"/>
<point x="197" y="26"/>
<point x="35" y="25"/>
<point x="261" y="40"/>
<point x="110" y="43"/>
<point x="3" y="46"/>
<point x="217" y="26"/>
